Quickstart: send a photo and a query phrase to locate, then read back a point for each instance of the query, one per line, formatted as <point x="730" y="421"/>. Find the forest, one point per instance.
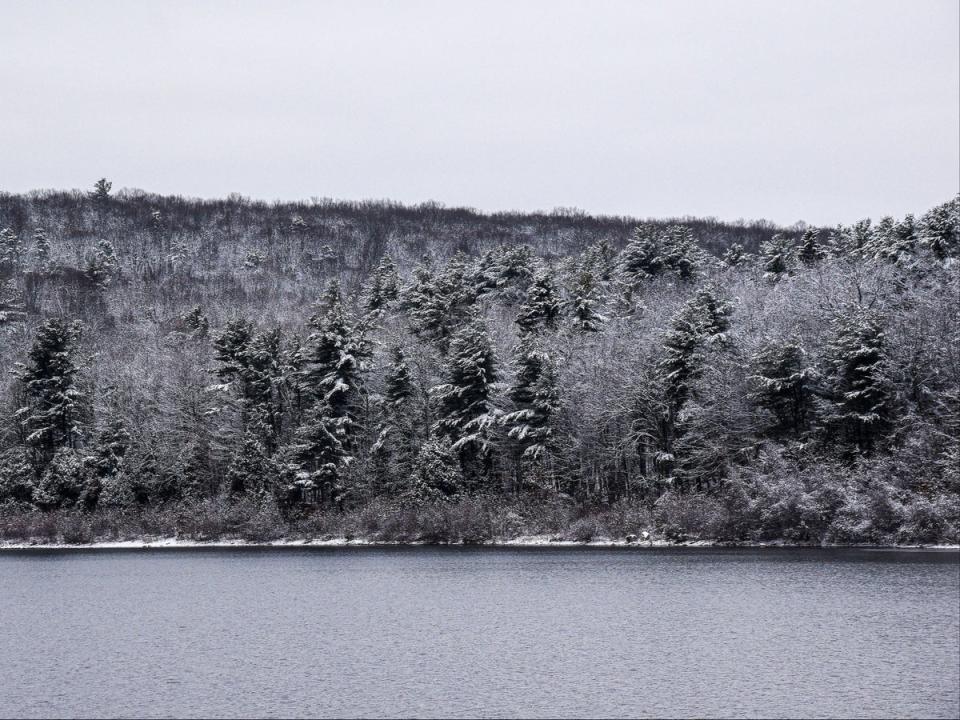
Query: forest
<point x="239" y="369"/>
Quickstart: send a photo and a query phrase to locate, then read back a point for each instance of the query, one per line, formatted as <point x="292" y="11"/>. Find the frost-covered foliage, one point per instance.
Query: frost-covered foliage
<point x="303" y="362"/>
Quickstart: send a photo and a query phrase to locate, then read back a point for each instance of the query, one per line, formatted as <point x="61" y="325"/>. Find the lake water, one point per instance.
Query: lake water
<point x="480" y="632"/>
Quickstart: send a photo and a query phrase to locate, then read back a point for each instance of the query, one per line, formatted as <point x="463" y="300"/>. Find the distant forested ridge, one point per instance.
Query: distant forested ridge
<point x="237" y="367"/>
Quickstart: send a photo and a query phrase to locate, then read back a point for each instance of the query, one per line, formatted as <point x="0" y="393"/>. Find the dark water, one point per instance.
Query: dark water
<point x="480" y="632"/>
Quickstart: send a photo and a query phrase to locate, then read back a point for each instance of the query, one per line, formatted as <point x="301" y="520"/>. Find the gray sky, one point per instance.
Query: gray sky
<point x="825" y="111"/>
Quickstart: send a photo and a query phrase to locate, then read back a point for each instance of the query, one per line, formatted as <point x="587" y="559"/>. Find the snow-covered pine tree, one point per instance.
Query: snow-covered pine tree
<point x="680" y="254"/>
<point x="535" y="397"/>
<point x="101" y="191"/>
<point x="444" y="307"/>
<point x="640" y="259"/>
<point x="734" y="256"/>
<point x="320" y="458"/>
<point x="465" y="402"/>
<point x="103" y="267"/>
<point x="859" y="412"/>
<point x="541" y="309"/>
<point x="333" y="365"/>
<point x="54" y="412"/>
<point x="395" y="449"/>
<point x="810" y="252"/>
<point x="783" y="378"/>
<point x="251" y="471"/>
<point x="776" y="258"/>
<point x="11" y="252"/>
<point x="384" y="287"/>
<point x="940" y="229"/>
<point x="583" y="304"/>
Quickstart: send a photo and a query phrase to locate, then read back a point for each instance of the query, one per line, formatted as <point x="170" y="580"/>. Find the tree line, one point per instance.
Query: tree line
<point x="324" y="357"/>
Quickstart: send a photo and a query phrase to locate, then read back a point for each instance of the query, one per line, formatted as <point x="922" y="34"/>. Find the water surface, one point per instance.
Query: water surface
<point x="480" y="632"/>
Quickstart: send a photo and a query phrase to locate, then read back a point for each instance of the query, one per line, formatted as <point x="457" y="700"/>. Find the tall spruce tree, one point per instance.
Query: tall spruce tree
<point x="55" y="409"/>
<point x="541" y="309"/>
<point x="776" y="257"/>
<point x="535" y="397"/>
<point x="783" y="380"/>
<point x="465" y="402"/>
<point x="583" y="304"/>
<point x="810" y="252"/>
<point x="859" y="413"/>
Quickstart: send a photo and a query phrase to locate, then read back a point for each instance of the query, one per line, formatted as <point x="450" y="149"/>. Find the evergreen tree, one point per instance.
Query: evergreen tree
<point x="541" y="309"/>
<point x="734" y="256"/>
<point x="680" y="254"/>
<point x="251" y="471"/>
<point x="54" y="411"/>
<point x="104" y="266"/>
<point x="399" y="382"/>
<point x="783" y="379"/>
<point x="101" y="191"/>
<point x="776" y="258"/>
<point x="859" y="412"/>
<point x="384" y="287"/>
<point x="940" y="229"/>
<point x="395" y="449"/>
<point x="641" y="259"/>
<point x="321" y="460"/>
<point x="11" y="252"/>
<point x="445" y="306"/>
<point x="465" y="402"/>
<point x="333" y="364"/>
<point x="583" y="305"/>
<point x="436" y="473"/>
<point x="810" y="252"/>
<point x="535" y="397"/>
<point x="196" y="323"/>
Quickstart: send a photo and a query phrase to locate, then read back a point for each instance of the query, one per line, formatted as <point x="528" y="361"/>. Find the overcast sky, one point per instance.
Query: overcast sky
<point x="824" y="111"/>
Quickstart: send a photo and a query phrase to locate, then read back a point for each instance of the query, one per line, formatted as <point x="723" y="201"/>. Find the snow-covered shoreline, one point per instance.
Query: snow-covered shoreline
<point x="526" y="541"/>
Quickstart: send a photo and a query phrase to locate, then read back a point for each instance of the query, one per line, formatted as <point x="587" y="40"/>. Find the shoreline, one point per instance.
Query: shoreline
<point x="526" y="541"/>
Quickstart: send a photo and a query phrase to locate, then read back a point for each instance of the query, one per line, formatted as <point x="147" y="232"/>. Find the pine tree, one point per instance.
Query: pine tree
<point x="333" y="364"/>
<point x="535" y="397"/>
<point x="398" y="382"/>
<point x="680" y="254"/>
<point x="395" y="449"/>
<point x="734" y="256"/>
<point x="641" y="259"/>
<point x="320" y="457"/>
<point x="541" y="309"/>
<point x="251" y="471"/>
<point x="776" y="258"/>
<point x="436" y="473"/>
<point x="586" y="319"/>
<point x="104" y="266"/>
<point x="55" y="410"/>
<point x="714" y="315"/>
<point x="445" y="306"/>
<point x="196" y="323"/>
<point x="11" y="252"/>
<point x="101" y="191"/>
<point x="940" y="229"/>
<point x="384" y="287"/>
<point x="860" y="409"/>
<point x="783" y="379"/>
<point x="810" y="252"/>
<point x="465" y="402"/>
